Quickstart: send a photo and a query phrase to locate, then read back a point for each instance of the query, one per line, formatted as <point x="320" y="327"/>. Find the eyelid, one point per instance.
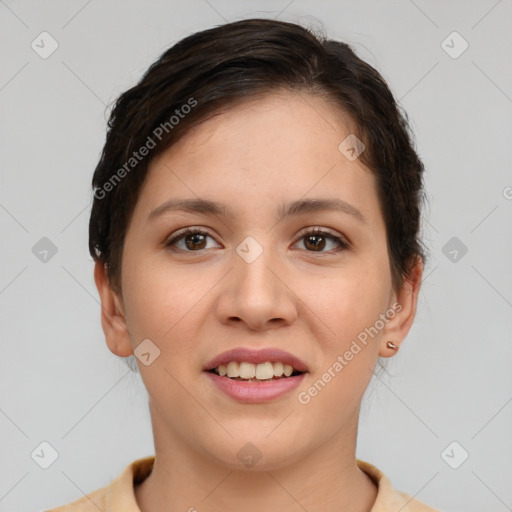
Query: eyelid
<point x="325" y="231"/>
<point x="180" y="233"/>
<point x="342" y="240"/>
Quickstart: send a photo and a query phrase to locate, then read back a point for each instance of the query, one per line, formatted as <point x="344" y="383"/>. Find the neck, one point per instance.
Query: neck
<point x="183" y="479"/>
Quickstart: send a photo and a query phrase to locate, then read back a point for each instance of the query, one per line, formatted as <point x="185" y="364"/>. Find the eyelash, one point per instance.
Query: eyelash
<point x="343" y="244"/>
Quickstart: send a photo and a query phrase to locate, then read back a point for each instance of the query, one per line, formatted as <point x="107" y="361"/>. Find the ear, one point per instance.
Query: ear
<point x="112" y="314"/>
<point x="404" y="307"/>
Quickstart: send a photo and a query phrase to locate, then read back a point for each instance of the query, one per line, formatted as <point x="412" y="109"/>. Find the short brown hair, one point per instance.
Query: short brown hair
<point x="211" y="70"/>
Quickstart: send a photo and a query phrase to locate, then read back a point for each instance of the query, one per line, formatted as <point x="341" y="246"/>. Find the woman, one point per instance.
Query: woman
<point x="255" y="232"/>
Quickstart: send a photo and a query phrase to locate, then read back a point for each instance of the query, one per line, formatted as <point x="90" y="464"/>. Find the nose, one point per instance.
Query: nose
<point x="256" y="294"/>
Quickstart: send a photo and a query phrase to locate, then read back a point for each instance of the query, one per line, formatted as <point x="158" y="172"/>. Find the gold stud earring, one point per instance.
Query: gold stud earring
<point x="391" y="345"/>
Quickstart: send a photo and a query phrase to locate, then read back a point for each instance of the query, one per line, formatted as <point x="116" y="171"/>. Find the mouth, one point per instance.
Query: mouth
<point x="256" y="376"/>
<point x="250" y="372"/>
<point x="251" y="365"/>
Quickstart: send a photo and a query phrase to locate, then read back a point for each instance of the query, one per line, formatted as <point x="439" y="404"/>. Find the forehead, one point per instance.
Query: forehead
<point x="281" y="147"/>
<point x="285" y="122"/>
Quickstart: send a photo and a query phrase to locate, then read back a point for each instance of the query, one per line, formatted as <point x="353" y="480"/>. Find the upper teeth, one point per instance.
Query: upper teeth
<point x="260" y="371"/>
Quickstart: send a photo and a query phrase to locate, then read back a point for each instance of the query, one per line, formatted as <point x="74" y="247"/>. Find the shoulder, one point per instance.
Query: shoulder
<point x="414" y="505"/>
<point x="117" y="496"/>
<point x="389" y="498"/>
<point x="89" y="503"/>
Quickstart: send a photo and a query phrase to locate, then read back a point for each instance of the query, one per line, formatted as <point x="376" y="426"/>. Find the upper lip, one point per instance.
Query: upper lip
<point x="254" y="356"/>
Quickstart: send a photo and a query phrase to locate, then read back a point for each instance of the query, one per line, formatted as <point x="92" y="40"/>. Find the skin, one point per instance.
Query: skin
<point x="313" y="303"/>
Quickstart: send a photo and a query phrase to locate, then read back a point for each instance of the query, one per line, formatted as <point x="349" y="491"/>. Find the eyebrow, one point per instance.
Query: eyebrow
<point x="295" y="208"/>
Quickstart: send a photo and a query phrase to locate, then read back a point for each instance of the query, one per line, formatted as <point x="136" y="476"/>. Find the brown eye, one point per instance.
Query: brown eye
<point x="317" y="239"/>
<point x="314" y="242"/>
<point x="193" y="240"/>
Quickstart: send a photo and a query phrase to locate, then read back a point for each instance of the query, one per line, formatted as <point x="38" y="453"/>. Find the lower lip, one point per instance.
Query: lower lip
<point x="255" y="391"/>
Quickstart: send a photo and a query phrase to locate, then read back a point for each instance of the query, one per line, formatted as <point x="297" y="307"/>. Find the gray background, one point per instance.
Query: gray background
<point x="451" y="381"/>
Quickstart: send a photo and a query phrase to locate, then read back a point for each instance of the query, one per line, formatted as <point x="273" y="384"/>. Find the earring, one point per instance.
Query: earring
<point x="391" y="345"/>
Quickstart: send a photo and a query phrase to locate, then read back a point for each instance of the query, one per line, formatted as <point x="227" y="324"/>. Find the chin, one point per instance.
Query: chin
<point x="256" y="453"/>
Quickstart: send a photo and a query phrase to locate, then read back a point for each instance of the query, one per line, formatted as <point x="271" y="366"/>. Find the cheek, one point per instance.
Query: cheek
<point x="355" y="301"/>
<point x="351" y="309"/>
<point x="168" y="305"/>
<point x="165" y="309"/>
<point x="156" y="299"/>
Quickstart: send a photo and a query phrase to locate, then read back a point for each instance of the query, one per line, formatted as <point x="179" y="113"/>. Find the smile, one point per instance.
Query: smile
<point x="255" y="372"/>
<point x="254" y="390"/>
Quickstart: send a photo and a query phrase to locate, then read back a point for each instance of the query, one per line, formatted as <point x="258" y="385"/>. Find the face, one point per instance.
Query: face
<point x="309" y="283"/>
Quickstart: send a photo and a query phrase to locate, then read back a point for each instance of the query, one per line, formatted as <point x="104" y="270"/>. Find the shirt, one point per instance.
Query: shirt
<point x="119" y="495"/>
